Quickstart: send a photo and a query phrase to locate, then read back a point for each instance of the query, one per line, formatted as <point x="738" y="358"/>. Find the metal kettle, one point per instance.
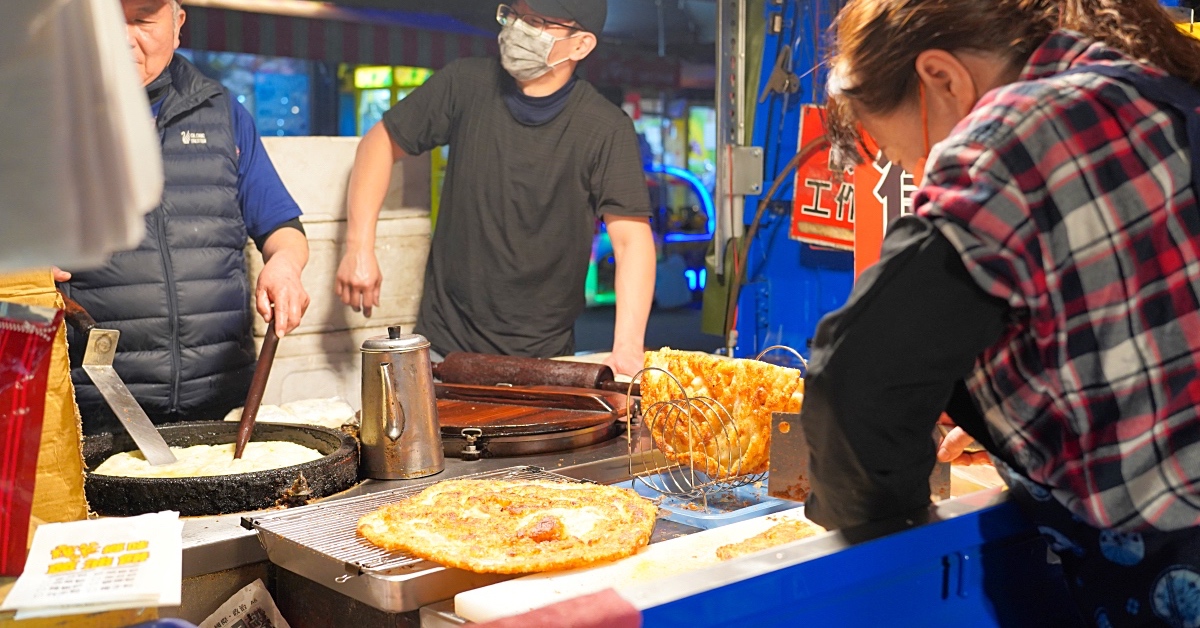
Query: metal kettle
<point x="400" y="435"/>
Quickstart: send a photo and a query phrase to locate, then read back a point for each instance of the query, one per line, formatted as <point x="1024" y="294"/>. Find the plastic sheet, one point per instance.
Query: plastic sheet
<point x="81" y="162"/>
<point x="26" y="340"/>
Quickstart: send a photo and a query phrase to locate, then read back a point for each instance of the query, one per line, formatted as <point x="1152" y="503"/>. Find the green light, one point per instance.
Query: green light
<point x="407" y="76"/>
<point x="372" y="76"/>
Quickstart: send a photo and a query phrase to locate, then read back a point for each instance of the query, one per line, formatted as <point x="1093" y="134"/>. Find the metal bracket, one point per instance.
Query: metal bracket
<point x="781" y="80"/>
<point x="747" y="170"/>
<point x="470" y="451"/>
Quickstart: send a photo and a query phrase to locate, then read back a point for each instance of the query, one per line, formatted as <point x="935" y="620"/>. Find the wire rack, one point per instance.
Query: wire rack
<point x="695" y="445"/>
<point x="331" y="529"/>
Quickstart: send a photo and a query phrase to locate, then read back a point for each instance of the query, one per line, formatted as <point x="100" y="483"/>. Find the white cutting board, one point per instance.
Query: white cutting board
<point x="660" y="560"/>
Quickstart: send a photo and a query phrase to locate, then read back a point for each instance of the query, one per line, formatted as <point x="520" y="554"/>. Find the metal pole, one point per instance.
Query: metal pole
<point x="662" y="29"/>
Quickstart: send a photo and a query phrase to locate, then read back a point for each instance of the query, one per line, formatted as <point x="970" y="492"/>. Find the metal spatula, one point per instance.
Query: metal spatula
<point x="788" y="477"/>
<point x="98" y="364"/>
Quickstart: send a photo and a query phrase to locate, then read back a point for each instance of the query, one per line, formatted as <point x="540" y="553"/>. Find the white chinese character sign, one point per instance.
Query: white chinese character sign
<point x="884" y="193"/>
<point x="850" y="213"/>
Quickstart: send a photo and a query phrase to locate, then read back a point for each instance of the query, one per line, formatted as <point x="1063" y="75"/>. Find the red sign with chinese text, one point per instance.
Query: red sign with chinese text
<point x="823" y="208"/>
<point x="884" y="193"/>
<point x="851" y="214"/>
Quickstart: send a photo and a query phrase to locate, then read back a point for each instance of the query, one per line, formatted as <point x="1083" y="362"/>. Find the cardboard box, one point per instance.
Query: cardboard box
<point x="321" y="358"/>
<point x="316" y="171"/>
<point x="401" y="246"/>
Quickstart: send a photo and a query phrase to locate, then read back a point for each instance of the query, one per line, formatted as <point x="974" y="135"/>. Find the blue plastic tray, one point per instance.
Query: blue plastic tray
<point x="726" y="507"/>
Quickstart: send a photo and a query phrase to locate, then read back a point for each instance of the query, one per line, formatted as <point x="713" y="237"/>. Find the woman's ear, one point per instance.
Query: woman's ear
<point x="947" y="82"/>
<point x="585" y="43"/>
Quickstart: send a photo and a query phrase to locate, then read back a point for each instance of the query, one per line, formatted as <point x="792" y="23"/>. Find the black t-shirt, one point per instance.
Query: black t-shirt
<point x="518" y="211"/>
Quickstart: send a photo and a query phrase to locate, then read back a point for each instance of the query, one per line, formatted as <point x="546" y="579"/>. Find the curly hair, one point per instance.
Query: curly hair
<point x="872" y="64"/>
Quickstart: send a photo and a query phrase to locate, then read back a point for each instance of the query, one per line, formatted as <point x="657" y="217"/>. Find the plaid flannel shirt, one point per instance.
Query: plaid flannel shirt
<point x="1071" y="197"/>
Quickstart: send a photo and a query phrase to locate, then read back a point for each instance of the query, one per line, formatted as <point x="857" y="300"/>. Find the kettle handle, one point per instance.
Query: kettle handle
<point x="393" y="412"/>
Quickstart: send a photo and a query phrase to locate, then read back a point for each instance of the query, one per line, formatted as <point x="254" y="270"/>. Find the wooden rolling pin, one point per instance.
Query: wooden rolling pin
<point x="482" y="369"/>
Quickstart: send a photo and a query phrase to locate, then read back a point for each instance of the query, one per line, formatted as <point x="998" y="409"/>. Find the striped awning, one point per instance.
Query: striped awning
<point x="332" y="40"/>
<point x="324" y="32"/>
<point x="608" y="65"/>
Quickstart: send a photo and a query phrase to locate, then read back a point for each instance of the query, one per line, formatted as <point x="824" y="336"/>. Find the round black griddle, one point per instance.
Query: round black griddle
<point x="221" y="494"/>
<point x="498" y="421"/>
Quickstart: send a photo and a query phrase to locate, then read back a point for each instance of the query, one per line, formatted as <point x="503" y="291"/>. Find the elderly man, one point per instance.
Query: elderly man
<point x="181" y="299"/>
<point x="536" y="156"/>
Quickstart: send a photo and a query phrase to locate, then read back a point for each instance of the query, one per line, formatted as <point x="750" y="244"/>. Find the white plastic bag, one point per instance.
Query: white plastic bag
<point x="80" y="159"/>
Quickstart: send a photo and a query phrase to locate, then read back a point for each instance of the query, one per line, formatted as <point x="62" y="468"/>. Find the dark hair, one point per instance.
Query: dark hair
<point x="877" y="43"/>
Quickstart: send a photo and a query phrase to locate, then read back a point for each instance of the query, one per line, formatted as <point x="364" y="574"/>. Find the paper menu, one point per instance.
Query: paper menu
<point x="102" y="564"/>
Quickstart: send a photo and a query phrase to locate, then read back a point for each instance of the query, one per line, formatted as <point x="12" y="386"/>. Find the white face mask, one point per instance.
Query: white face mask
<point x="525" y="51"/>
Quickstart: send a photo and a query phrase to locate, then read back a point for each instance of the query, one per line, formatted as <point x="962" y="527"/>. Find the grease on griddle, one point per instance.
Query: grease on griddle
<point x="297" y="494"/>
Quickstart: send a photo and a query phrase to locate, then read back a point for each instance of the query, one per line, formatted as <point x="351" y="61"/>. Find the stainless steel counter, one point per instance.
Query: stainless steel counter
<point x="213" y="544"/>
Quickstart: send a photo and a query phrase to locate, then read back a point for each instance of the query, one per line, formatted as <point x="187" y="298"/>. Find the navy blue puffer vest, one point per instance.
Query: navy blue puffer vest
<point x="181" y="299"/>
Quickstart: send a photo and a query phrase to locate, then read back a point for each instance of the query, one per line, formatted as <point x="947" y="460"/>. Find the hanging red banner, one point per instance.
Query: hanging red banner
<point x="823" y="207"/>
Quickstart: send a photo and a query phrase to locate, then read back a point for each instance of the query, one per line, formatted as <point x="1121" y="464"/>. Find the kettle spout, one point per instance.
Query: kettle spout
<point x="393" y="411"/>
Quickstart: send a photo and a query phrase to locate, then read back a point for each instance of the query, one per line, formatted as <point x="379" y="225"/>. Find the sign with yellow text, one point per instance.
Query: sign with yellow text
<point x="100" y="565"/>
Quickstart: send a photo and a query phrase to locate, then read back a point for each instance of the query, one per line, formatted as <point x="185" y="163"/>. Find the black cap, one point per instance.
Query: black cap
<point x="589" y="14"/>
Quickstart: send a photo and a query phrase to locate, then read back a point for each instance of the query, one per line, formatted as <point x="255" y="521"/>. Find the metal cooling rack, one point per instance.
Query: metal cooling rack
<point x="331" y="529"/>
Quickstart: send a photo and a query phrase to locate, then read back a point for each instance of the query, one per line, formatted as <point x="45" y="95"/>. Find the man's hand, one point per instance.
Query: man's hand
<point x="954" y="445"/>
<point x="285" y="253"/>
<point x="359" y="279"/>
<point x="358" y="275"/>
<point x="626" y="361"/>
<point x="59" y="274"/>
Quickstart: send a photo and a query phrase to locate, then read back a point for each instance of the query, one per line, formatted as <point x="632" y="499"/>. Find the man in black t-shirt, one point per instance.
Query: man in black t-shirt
<point x="536" y="156"/>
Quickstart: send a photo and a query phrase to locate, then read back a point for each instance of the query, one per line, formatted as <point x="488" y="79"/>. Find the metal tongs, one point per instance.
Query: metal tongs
<point x="98" y="364"/>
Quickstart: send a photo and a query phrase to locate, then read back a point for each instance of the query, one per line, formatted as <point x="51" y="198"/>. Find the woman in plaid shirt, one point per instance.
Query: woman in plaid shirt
<point x="1046" y="294"/>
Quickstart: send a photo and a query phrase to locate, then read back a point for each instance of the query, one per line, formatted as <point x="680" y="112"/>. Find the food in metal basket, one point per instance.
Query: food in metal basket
<point x="514" y="526"/>
<point x="208" y="460"/>
<point x="778" y="534"/>
<point x="698" y="433"/>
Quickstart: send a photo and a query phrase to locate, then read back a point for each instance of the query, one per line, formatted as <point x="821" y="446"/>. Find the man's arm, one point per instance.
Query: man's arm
<point x="422" y="121"/>
<point x="285" y="253"/>
<point x="883" y="369"/>
<point x="633" y="248"/>
<point x="272" y="219"/>
<point x="358" y="275"/>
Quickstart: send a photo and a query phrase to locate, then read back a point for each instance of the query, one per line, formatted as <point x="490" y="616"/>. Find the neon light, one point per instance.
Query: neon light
<point x="372" y="76"/>
<point x="696" y="278"/>
<point x="691" y="278"/>
<point x="705" y="201"/>
<point x="407" y="76"/>
<point x="687" y="237"/>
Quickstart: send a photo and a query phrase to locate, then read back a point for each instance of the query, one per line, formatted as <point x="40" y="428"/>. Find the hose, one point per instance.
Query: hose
<point x="735" y="287"/>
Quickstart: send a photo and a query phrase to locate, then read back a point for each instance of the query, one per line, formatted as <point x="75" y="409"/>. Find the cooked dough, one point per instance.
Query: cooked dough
<point x="778" y="534"/>
<point x="266" y="413"/>
<point x="331" y="413"/>
<point x="205" y="460"/>
<point x="517" y="526"/>
<point x="749" y="390"/>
